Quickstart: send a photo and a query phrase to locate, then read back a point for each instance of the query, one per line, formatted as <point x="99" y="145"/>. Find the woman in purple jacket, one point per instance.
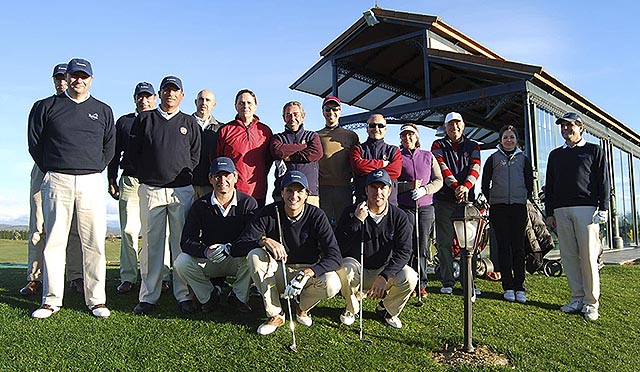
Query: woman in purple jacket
<point x="419" y="180"/>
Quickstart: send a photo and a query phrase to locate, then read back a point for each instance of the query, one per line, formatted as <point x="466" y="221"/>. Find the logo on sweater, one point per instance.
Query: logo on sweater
<point x="183" y="130"/>
<point x="93" y="116"/>
<point x="384" y="157"/>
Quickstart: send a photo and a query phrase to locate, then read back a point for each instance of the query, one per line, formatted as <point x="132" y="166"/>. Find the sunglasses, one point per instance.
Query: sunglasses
<point x="330" y="109"/>
<point x="374" y="125"/>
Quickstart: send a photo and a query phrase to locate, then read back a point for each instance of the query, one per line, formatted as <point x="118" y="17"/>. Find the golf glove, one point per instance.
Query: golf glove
<point x="219" y="253"/>
<point x="418" y="193"/>
<point x="600" y="217"/>
<point x="297" y="284"/>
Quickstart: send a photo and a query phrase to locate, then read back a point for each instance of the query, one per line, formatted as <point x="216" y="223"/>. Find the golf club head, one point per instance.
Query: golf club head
<point x="419" y="304"/>
<point x="293" y="348"/>
<point x="366" y="341"/>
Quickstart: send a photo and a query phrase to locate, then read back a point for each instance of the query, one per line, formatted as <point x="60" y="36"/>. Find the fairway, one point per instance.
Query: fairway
<point x="535" y="336"/>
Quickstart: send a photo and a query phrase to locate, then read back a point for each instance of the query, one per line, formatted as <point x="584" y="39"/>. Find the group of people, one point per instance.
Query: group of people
<point x="196" y="189"/>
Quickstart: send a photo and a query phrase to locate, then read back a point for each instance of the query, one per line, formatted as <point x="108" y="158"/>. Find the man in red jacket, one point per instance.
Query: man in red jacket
<point x="246" y="140"/>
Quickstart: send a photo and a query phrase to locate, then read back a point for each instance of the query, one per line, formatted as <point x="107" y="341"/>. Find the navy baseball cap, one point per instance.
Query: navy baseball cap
<point x="171" y="80"/>
<point x="222" y="164"/>
<point x="571" y="117"/>
<point x="292" y="177"/>
<point x="144" y="87"/>
<point x="60" y="68"/>
<point x="79" y="64"/>
<point x="379" y="175"/>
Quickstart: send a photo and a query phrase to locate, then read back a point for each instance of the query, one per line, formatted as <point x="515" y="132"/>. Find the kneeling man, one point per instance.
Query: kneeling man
<point x="213" y="222"/>
<point x="299" y="234"/>
<point x="386" y="232"/>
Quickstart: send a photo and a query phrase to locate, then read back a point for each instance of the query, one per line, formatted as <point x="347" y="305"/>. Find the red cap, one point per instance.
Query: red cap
<point x="331" y="99"/>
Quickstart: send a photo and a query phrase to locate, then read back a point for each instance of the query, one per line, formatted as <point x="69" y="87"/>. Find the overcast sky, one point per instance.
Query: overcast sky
<point x="266" y="45"/>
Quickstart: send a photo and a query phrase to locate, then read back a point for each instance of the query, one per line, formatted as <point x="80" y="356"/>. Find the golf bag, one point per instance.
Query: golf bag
<point x="538" y="242"/>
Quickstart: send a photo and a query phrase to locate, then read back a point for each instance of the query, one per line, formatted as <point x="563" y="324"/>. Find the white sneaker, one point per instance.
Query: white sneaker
<point x="347" y="318"/>
<point x="394" y="321"/>
<point x="572" y="307"/>
<point x="100" y="311"/>
<point x="446" y="290"/>
<point x="45" y="311"/>
<point x="590" y="312"/>
<point x="509" y="295"/>
<point x="271" y="324"/>
<point x="521" y="297"/>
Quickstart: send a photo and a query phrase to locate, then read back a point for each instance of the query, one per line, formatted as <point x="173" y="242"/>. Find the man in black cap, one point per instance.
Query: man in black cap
<point x="126" y="190"/>
<point x="165" y="147"/>
<point x="36" y="221"/>
<point x="385" y="231"/>
<point x="577" y="197"/>
<point x="214" y="221"/>
<point x="71" y="138"/>
<point x="307" y="245"/>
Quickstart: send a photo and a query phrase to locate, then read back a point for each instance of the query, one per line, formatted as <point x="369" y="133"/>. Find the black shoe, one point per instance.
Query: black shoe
<point x="144" y="308"/>
<point x="214" y="300"/>
<point x="381" y="311"/>
<point x="237" y="304"/>
<point x="31" y="288"/>
<point x="187" y="307"/>
<point x="124" y="287"/>
<point x="77" y="286"/>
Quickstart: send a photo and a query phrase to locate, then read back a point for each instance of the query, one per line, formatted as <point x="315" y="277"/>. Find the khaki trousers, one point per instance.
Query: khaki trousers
<point x="579" y="240"/>
<point x="399" y="287"/>
<point x="196" y="272"/>
<point x="267" y="274"/>
<point x="64" y="196"/>
<point x="37" y="237"/>
<point x="161" y="209"/>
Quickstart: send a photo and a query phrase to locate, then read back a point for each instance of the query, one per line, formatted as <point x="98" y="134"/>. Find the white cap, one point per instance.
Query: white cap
<point x="409" y="128"/>
<point x="453" y="116"/>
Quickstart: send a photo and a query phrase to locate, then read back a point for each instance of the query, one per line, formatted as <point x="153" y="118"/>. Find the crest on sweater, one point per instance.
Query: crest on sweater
<point x="183" y="130"/>
<point x="93" y="116"/>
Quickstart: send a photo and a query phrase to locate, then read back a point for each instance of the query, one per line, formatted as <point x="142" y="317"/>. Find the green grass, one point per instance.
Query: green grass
<point x="15" y="251"/>
<point x="535" y="336"/>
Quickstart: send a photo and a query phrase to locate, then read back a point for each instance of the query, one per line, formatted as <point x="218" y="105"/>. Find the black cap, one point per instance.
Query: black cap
<point x="60" y="68"/>
<point x="379" y="175"/>
<point x="79" y="64"/>
<point x="144" y="87"/>
<point x="292" y="177"/>
<point x="171" y="80"/>
<point x="571" y="117"/>
<point x="222" y="164"/>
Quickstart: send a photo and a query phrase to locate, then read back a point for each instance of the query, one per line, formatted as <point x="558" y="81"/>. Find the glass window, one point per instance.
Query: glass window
<point x="636" y="179"/>
<point x="622" y="183"/>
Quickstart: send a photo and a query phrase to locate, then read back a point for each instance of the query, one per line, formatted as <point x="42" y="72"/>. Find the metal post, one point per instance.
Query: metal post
<point x="468" y="292"/>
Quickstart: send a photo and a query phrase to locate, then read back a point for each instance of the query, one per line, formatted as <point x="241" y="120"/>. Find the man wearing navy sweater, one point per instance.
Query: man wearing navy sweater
<point x="165" y="146"/>
<point x="214" y="221"/>
<point x="71" y="139"/>
<point x="577" y="196"/>
<point x="37" y="236"/>
<point x="126" y="192"/>
<point x="386" y="231"/>
<point x="307" y="245"/>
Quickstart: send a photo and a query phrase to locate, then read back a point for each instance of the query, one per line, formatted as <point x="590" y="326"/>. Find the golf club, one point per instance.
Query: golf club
<point x="292" y="326"/>
<point x="363" y="340"/>
<point x="419" y="303"/>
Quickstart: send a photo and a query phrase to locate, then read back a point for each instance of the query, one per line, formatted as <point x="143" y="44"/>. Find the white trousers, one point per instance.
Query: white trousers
<point x="37" y="236"/>
<point x="196" y="272"/>
<point x="399" y="287"/>
<point x="267" y="274"/>
<point x="579" y="240"/>
<point x="61" y="193"/>
<point x="130" y="227"/>
<point x="160" y="206"/>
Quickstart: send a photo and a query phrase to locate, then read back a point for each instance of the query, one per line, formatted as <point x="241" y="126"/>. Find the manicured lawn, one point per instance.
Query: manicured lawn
<point x="535" y="336"/>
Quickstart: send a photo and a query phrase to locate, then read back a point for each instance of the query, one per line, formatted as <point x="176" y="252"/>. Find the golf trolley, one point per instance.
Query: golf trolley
<point x="483" y="265"/>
